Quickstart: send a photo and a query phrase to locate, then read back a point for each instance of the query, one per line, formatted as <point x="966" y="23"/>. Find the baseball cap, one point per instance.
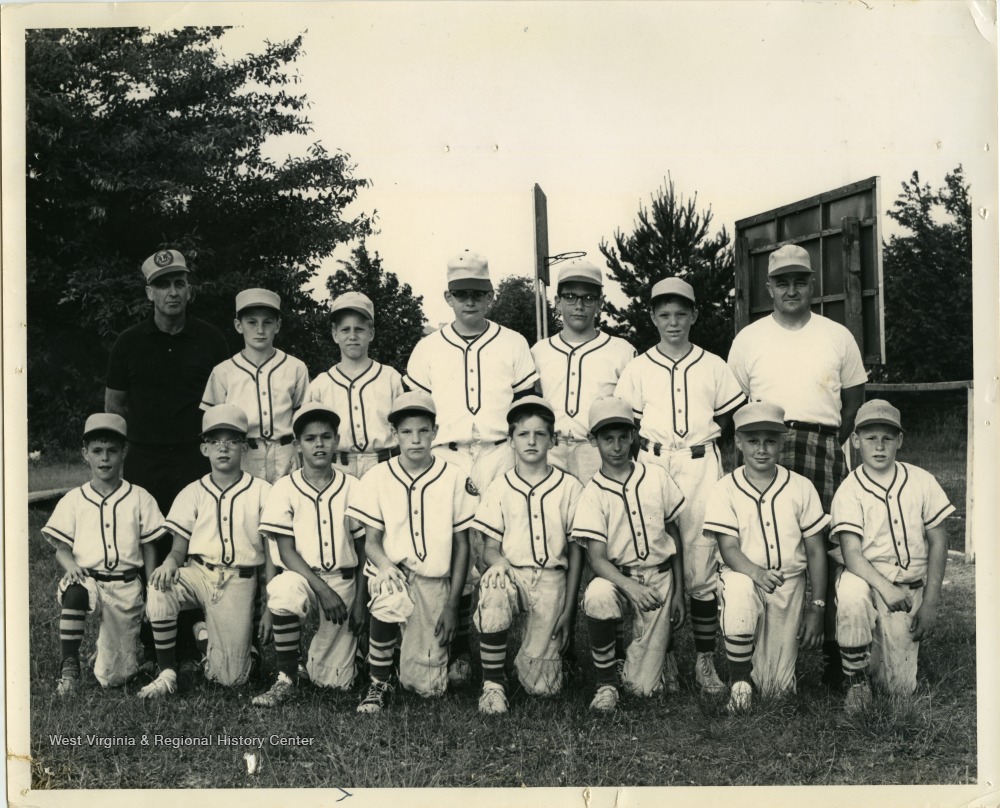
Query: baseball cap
<point x="579" y="270"/>
<point x="105" y="422"/>
<point x="672" y="286"/>
<point x="469" y="270"/>
<point x="249" y="298"/>
<point x="414" y="401"/>
<point x="354" y="301"/>
<point x="790" y="258"/>
<point x="528" y="401"/>
<point x="608" y="411"/>
<point x="162" y="262"/>
<point x="877" y="411"/>
<point x="311" y="408"/>
<point x="224" y="416"/>
<point x="760" y="416"/>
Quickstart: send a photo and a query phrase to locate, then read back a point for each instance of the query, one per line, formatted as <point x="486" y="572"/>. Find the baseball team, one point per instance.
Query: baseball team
<point x="496" y="486"/>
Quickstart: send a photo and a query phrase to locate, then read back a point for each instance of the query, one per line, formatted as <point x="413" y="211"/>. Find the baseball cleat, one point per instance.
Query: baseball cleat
<point x="670" y="676"/>
<point x="858" y="699"/>
<point x="67" y="686"/>
<point x="162" y="685"/>
<point x="459" y="671"/>
<point x="281" y="691"/>
<point x="494" y="700"/>
<point x="606" y="699"/>
<point x="706" y="677"/>
<point x="374" y="699"/>
<point x="739" y="698"/>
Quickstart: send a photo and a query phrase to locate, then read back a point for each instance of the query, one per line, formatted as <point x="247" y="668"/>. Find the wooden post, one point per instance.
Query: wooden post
<point x="970" y="546"/>
<point x="741" y="281"/>
<point x="851" y="242"/>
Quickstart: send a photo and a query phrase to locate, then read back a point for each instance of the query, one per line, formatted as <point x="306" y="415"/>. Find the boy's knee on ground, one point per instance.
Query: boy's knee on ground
<point x="600" y="600"/>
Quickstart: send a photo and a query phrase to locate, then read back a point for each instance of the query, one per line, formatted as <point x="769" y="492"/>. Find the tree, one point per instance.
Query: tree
<point x="928" y="283"/>
<point x="514" y="307"/>
<point x="139" y="141"/>
<point x="399" y="314"/>
<point x="671" y="238"/>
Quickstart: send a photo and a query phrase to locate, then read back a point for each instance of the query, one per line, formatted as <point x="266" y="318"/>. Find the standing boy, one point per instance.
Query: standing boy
<point x="769" y="524"/>
<point x="627" y="518"/>
<point x="417" y="510"/>
<point x="102" y="534"/>
<point x="683" y="398"/>
<point x="216" y="556"/>
<point x="525" y="517"/>
<point x="320" y="548"/>
<point x="888" y="518"/>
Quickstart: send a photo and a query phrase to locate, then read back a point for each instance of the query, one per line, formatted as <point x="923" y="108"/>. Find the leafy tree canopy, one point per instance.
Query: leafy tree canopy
<point x="514" y="307"/>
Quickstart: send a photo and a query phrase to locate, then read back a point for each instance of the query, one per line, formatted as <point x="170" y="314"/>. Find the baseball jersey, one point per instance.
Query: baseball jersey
<point x="316" y="519"/>
<point x="269" y="393"/>
<point x="531" y="522"/>
<point x="677" y="401"/>
<point x="221" y="526"/>
<point x="472" y="382"/>
<point x="803" y="371"/>
<point x="769" y="524"/>
<point x="105" y="532"/>
<point x="573" y="376"/>
<point x="891" y="521"/>
<point x="630" y="517"/>
<point x="363" y="405"/>
<point x="418" y="515"/>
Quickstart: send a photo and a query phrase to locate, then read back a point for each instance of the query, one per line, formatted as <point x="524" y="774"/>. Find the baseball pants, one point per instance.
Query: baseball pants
<point x="772" y="620"/>
<point x="540" y="595"/>
<point x="576" y="456"/>
<point x="270" y="460"/>
<point x="228" y="603"/>
<point x="118" y="606"/>
<point x="871" y="637"/>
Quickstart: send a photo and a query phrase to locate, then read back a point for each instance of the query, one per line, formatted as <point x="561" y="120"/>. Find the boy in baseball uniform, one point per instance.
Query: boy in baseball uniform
<point x="525" y="517"/>
<point x="888" y="519"/>
<point x="627" y="519"/>
<point x="473" y="369"/>
<point x="320" y="548"/>
<point x="683" y="398"/>
<point x="217" y="555"/>
<point x="768" y="522"/>
<point x="102" y="534"/>
<point x="358" y="389"/>
<point x="417" y="510"/>
<point x="264" y="382"/>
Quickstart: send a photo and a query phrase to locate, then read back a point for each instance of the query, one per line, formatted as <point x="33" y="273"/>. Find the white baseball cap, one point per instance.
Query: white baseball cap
<point x="787" y="259"/>
<point x="469" y="270"/>
<point x="224" y="416"/>
<point x="105" y="422"/>
<point x="162" y="262"/>
<point x="354" y="301"/>
<point x="608" y="411"/>
<point x="760" y="416"/>
<point x="311" y="408"/>
<point x="672" y="286"/>
<point x="413" y="401"/>
<point x="878" y="411"/>
<point x="264" y="298"/>
<point x="580" y="270"/>
<point x="528" y="401"/>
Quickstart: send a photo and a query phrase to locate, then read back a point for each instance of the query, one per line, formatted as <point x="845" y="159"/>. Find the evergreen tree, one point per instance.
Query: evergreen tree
<point x="514" y="307"/>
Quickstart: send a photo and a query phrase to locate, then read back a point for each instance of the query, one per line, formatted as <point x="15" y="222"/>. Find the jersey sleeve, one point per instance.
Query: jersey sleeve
<point x="590" y="522"/>
<point x="215" y="390"/>
<point x="418" y="368"/>
<point x="363" y="504"/>
<point x="151" y="523"/>
<point x="571" y="499"/>
<point x="629" y="387"/>
<point x="720" y="515"/>
<point x="279" y="512"/>
<point x="846" y="513"/>
<point x="184" y="511"/>
<point x="673" y="498"/>
<point x="354" y="528"/>
<point x="852" y="368"/>
<point x="728" y="393"/>
<point x="525" y="373"/>
<point x="489" y="515"/>
<point x="466" y="502"/>
<point x="61" y="525"/>
<point x="812" y="517"/>
<point x="936" y="506"/>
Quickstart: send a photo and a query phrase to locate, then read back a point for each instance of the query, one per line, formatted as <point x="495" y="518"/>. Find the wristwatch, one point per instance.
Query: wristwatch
<point x="820" y="604"/>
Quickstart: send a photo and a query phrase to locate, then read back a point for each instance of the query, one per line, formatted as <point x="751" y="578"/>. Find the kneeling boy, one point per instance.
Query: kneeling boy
<point x="525" y="518"/>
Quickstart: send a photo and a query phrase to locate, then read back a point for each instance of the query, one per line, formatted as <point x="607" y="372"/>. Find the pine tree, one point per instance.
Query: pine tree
<point x="514" y="307"/>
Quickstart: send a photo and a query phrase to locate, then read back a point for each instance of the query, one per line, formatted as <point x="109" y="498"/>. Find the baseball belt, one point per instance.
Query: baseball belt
<point x="914" y="585"/>
<point x="664" y="566"/>
<point x="822" y="429"/>
<point x="244" y="572"/>
<point x="381" y="456"/>
<point x="659" y="448"/>
<point x="568" y="439"/>
<point x="453" y="445"/>
<point x="253" y="443"/>
<point x="107" y="577"/>
<point x="346" y="574"/>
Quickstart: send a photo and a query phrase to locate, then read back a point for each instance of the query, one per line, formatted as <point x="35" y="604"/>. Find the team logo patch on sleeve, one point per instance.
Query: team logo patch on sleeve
<point x="470" y="487"/>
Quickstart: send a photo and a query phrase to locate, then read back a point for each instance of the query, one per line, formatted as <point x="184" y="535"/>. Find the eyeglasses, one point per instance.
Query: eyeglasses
<point x="588" y="300"/>
<point x="469" y="294"/>
<point x="216" y="443"/>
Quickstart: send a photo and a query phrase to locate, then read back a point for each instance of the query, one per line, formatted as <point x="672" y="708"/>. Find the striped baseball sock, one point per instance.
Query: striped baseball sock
<point x="704" y="624"/>
<point x="286" y="643"/>
<point x="739" y="652"/>
<point x="460" y="642"/>
<point x="855" y="661"/>
<point x="619" y="639"/>
<point x="72" y="620"/>
<point x="493" y="652"/>
<point x="381" y="643"/>
<point x="165" y="639"/>
<point x="602" y="648"/>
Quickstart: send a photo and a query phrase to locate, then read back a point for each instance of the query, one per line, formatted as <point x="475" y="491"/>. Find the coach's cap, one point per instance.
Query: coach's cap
<point x="314" y="409"/>
<point x="760" y="416"/>
<point x="672" y="286"/>
<point x="413" y="402"/>
<point x="790" y="258"/>
<point x="264" y="298"/>
<point x="877" y="411"/>
<point x="162" y="262"/>
<point x="105" y="422"/>
<point x="609" y="411"/>
<point x="224" y="416"/>
<point x="528" y="401"/>
<point x="580" y="270"/>
<point x="354" y="301"/>
<point x="469" y="270"/>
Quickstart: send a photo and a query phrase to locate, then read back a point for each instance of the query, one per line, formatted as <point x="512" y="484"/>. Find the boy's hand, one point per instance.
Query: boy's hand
<point x="446" y="624"/>
<point x="165" y="575"/>
<point x="563" y="630"/>
<point x="923" y="622"/>
<point x="74" y="575"/>
<point x="392" y="578"/>
<point x="266" y="625"/>
<point x="768" y="580"/>
<point x="497" y="575"/>
<point x="811" y="630"/>
<point x="896" y="599"/>
<point x="357" y="620"/>
<point x="332" y="605"/>
<point x="677" y="611"/>
<point x="644" y="596"/>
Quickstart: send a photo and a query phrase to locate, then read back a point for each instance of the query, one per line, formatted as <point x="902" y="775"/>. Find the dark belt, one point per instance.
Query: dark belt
<point x="568" y="440"/>
<point x="107" y="577"/>
<point x="346" y="574"/>
<point x="455" y="444"/>
<point x="822" y="429"/>
<point x="382" y="455"/>
<point x="914" y="585"/>
<point x="244" y="572"/>
<point x="656" y="448"/>
<point x="662" y="567"/>
<point x="253" y="442"/>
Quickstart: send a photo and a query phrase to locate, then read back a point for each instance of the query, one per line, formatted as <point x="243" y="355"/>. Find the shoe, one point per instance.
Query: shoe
<point x="606" y="699"/>
<point x="859" y="699"/>
<point x="494" y="700"/>
<point x="670" y="677"/>
<point x="706" y="677"/>
<point x="739" y="698"/>
<point x="162" y="685"/>
<point x="459" y="671"/>
<point x="281" y="691"/>
<point x="67" y="686"/>
<point x="620" y="670"/>
<point x="374" y="699"/>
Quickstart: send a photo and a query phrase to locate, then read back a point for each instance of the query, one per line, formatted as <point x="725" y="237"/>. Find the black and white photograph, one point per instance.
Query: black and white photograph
<point x="470" y="399"/>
